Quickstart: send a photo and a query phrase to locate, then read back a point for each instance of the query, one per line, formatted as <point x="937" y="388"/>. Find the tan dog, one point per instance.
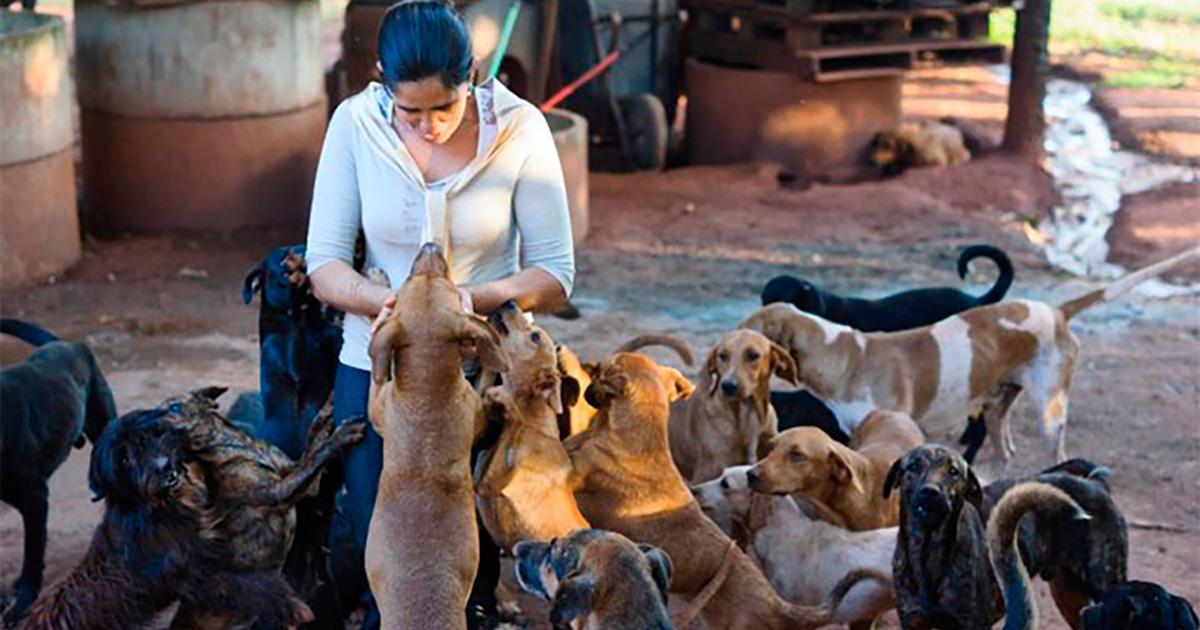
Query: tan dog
<point x="803" y="558"/>
<point x="626" y="482"/>
<point x="729" y="421"/>
<point x="849" y="480"/>
<point x="939" y="374"/>
<point x="911" y="145"/>
<point x="428" y="416"/>
<point x="598" y="580"/>
<point x="578" y="412"/>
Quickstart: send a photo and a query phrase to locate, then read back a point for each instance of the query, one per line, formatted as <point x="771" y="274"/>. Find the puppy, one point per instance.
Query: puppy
<point x="901" y="311"/>
<point x="299" y="341"/>
<point x="428" y="416"/>
<point x="939" y="374"/>
<point x="803" y="558"/>
<point x="1140" y="606"/>
<point x="1081" y="559"/>
<point x="911" y="145"/>
<point x="1051" y="506"/>
<point x="729" y="421"/>
<point x="158" y="543"/>
<point x="849" y="480"/>
<point x="54" y="399"/>
<point x="598" y="580"/>
<point x="625" y="482"/>
<point x="941" y="570"/>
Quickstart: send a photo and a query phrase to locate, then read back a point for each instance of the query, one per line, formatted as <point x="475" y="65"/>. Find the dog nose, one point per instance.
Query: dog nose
<point x="729" y="387"/>
<point x="752" y="477"/>
<point x="928" y="493"/>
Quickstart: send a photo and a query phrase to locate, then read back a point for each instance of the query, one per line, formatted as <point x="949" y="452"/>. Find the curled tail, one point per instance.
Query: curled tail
<point x="674" y="342"/>
<point x="822" y="614"/>
<point x="1073" y="307"/>
<point x="1003" y="264"/>
<point x="1047" y="501"/>
<point x="29" y="333"/>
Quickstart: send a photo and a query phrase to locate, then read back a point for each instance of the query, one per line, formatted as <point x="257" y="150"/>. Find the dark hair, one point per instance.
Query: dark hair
<point x="419" y="39"/>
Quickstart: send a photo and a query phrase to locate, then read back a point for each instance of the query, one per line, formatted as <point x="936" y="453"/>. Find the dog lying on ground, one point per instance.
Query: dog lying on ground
<point x="299" y="341"/>
<point x="157" y="543"/>
<point x="54" y="399"/>
<point x="428" y="416"/>
<point x="729" y="421"/>
<point x="255" y="487"/>
<point x="849" y="480"/>
<point x="601" y="577"/>
<point x="939" y="374"/>
<point x="941" y="571"/>
<point x="902" y="311"/>
<point x="1138" y="605"/>
<point x="910" y="145"/>
<point x="1050" y="505"/>
<point x="1081" y="559"/>
<point x="625" y="482"/>
<point x="803" y="558"/>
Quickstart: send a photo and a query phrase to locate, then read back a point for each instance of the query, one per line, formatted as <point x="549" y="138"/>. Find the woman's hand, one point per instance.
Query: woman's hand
<point x="385" y="311"/>
<point x="468" y="302"/>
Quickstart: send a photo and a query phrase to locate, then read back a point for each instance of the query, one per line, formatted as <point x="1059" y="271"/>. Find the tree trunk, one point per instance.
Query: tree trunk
<point x="1026" y="124"/>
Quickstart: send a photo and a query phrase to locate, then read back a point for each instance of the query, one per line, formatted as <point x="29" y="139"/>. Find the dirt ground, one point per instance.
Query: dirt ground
<point x="687" y="251"/>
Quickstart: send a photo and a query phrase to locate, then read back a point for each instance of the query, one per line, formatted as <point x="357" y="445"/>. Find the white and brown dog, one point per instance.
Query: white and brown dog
<point x="729" y="419"/>
<point x="939" y="374"/>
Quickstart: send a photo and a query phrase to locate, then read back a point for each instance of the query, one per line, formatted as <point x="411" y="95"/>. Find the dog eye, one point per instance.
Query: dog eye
<point x="723" y="356"/>
<point x="752" y="356"/>
<point x="796" y="456"/>
<point x="724" y="484"/>
<point x="536" y="337"/>
<point x="913" y="466"/>
<point x="954" y="471"/>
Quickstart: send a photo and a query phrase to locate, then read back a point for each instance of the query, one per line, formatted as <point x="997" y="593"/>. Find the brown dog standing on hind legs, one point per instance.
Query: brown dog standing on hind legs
<point x="939" y="374"/>
<point x="626" y="482"/>
<point x="729" y="421"/>
<point x="806" y="462"/>
<point x="428" y="416"/>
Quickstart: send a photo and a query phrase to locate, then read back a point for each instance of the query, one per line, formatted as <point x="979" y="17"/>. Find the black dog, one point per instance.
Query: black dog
<point x="1082" y="560"/>
<point x="942" y="573"/>
<point x="54" y="399"/>
<point x="799" y="408"/>
<point x="157" y="543"/>
<point x="299" y="342"/>
<point x="902" y="311"/>
<point x="1140" y="606"/>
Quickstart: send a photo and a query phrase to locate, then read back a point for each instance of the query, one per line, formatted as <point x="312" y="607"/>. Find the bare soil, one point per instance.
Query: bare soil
<point x="687" y="251"/>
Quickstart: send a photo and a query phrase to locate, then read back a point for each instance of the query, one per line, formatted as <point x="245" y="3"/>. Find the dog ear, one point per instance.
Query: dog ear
<point x="783" y="365"/>
<point x="211" y="394"/>
<point x="491" y="356"/>
<point x="570" y="391"/>
<point x="661" y="568"/>
<point x="679" y="387"/>
<point x="573" y="599"/>
<point x="974" y="493"/>
<point x="251" y="283"/>
<point x="893" y="478"/>
<point x="842" y="471"/>
<point x="708" y="373"/>
<point x="549" y="386"/>
<point x="762" y="507"/>
<point x="382" y="350"/>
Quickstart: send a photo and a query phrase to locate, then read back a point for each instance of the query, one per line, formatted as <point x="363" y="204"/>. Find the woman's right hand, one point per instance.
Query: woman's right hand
<point x="385" y="311"/>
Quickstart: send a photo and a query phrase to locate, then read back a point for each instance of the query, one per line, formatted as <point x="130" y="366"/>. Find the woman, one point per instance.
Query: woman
<point x="425" y="156"/>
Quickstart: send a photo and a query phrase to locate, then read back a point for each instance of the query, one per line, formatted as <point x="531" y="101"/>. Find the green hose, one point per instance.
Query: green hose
<point x="510" y="23"/>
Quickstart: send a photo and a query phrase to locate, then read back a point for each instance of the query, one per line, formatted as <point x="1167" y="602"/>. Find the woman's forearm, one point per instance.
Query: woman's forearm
<point x="533" y="289"/>
<point x="340" y="286"/>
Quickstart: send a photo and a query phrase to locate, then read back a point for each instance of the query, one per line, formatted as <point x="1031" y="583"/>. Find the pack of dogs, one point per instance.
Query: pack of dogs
<point x="803" y="480"/>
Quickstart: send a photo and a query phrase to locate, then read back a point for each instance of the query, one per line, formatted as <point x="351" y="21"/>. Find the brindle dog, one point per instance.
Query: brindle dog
<point x="158" y="542"/>
<point x="255" y="486"/>
<point x="941" y="569"/>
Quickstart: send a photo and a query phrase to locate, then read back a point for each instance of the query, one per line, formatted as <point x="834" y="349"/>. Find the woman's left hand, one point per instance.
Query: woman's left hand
<point x="468" y="303"/>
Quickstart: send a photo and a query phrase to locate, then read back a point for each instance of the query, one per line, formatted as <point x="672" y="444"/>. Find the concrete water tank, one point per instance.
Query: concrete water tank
<point x="199" y="116"/>
<point x="570" y="131"/>
<point x="39" y="225"/>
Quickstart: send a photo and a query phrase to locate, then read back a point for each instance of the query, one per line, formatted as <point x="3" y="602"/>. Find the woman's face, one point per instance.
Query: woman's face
<point x="432" y="110"/>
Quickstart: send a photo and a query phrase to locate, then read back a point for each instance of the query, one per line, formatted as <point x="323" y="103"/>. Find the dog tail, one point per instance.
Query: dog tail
<point x="674" y="342"/>
<point x="29" y="333"/>
<point x="822" y="614"/>
<point x="1073" y="307"/>
<point x="1044" y="499"/>
<point x="997" y="256"/>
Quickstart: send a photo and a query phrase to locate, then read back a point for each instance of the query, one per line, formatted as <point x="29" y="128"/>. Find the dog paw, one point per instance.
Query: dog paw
<point x="348" y="434"/>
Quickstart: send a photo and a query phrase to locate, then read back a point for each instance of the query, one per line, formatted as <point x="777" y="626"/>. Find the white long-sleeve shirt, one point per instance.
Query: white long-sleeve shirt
<point x="506" y="209"/>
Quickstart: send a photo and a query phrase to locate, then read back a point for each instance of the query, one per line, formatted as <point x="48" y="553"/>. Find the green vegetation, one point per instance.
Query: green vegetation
<point x="1152" y="43"/>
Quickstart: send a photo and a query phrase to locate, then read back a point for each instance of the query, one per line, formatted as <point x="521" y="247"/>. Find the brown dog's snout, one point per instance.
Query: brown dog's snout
<point x="430" y="262"/>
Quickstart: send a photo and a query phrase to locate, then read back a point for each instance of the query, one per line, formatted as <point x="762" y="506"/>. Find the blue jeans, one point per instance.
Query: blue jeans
<point x="360" y="467"/>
